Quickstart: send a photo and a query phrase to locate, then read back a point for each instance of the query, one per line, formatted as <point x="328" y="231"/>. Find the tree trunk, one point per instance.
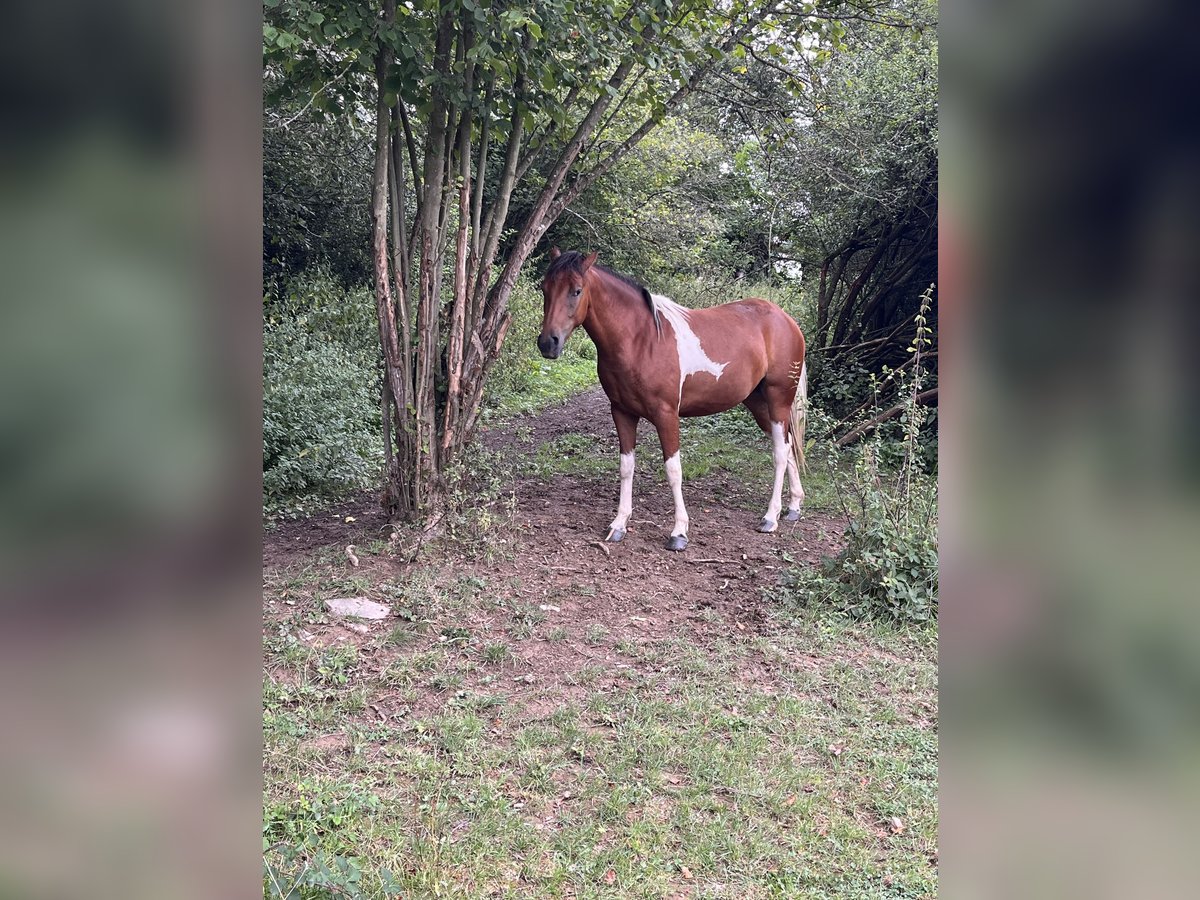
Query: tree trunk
<point x="397" y="500"/>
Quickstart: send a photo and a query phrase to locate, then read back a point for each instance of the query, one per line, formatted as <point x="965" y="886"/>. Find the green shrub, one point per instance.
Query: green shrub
<point x="889" y="567"/>
<point x="321" y="422"/>
<point x="698" y="290"/>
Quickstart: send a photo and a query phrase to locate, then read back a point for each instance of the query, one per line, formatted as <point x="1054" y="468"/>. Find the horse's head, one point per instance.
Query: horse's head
<point x="565" y="288"/>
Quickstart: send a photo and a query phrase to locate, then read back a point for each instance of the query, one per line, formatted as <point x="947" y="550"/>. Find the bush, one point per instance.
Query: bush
<point x="698" y="290"/>
<point x="321" y="421"/>
<point x="889" y="568"/>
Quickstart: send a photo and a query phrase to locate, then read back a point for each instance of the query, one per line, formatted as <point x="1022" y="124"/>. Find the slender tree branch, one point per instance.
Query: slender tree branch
<point x="853" y="435"/>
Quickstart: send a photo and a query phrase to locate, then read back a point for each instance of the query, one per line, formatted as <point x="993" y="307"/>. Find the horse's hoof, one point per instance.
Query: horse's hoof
<point x="677" y="542"/>
<point x="792" y="515"/>
<point x="766" y="526"/>
<point x="615" y="535"/>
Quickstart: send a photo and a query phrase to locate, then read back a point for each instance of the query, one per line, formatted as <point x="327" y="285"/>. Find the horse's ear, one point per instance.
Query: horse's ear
<point x="555" y="253"/>
<point x="589" y="261"/>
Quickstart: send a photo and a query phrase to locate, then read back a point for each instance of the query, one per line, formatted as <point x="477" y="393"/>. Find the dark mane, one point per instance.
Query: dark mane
<point x="572" y="261"/>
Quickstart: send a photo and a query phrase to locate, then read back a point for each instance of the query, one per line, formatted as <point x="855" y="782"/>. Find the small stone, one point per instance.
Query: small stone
<point x="357" y="626"/>
<point x="358" y="607"/>
<point x="549" y="607"/>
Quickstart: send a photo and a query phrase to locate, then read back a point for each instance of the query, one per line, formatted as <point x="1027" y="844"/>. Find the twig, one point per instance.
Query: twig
<point x="318" y="92"/>
<point x="430" y="529"/>
<point x="697" y="562"/>
<point x="602" y="546"/>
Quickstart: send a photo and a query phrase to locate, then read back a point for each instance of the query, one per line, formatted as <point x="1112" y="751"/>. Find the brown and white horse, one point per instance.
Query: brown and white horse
<point x="658" y="360"/>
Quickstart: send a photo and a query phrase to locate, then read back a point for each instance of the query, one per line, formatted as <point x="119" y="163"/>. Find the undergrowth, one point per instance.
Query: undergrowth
<point x="889" y="566"/>
<point x="321" y="420"/>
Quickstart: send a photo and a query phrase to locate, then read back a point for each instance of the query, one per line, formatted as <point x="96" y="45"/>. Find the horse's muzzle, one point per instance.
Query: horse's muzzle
<point x="550" y="346"/>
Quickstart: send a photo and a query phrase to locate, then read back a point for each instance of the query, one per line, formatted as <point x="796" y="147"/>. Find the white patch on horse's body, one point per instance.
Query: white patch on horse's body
<point x="692" y="357"/>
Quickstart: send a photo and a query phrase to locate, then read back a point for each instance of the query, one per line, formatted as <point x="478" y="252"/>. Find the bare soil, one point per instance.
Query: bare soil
<point x="553" y="564"/>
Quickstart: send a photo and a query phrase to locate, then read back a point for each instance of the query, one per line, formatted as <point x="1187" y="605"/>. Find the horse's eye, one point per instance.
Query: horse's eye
<point x="577" y="292"/>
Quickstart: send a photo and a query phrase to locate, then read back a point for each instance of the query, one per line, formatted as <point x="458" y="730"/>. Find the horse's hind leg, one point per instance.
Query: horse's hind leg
<point x="627" y="436"/>
<point x="773" y="418"/>
<point x="797" y="490"/>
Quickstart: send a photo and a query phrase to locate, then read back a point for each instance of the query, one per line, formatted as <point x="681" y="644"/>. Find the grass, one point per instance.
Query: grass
<point x="427" y="760"/>
<point x="690" y="774"/>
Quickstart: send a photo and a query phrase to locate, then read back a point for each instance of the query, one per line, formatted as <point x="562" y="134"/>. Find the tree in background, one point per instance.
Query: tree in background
<point x="467" y="97"/>
<point x="839" y="160"/>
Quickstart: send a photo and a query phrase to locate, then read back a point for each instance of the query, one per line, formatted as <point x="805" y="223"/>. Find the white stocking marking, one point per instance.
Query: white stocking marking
<point x="625" y="507"/>
<point x="797" y="489"/>
<point x="782" y="453"/>
<point x="675" y="477"/>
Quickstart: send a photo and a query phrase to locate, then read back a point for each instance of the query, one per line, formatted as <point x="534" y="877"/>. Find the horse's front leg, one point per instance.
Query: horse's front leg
<point x="627" y="437"/>
<point x="668" y="436"/>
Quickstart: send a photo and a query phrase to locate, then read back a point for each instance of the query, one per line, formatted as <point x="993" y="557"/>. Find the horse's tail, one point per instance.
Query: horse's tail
<point x="799" y="415"/>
